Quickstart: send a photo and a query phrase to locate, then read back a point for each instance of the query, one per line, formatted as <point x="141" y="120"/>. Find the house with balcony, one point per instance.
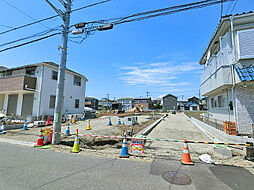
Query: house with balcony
<point x="227" y="79"/>
<point x="30" y="90"/>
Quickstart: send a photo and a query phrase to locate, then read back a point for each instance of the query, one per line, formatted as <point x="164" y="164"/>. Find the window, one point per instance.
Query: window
<point x="220" y="101"/>
<point x="76" y="103"/>
<point x="52" y="102"/>
<point x="77" y="81"/>
<point x="54" y="75"/>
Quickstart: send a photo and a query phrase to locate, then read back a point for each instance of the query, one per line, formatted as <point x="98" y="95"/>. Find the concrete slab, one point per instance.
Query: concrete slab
<point x="223" y="150"/>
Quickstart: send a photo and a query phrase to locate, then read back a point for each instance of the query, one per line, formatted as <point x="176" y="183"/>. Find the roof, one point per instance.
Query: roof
<point x="245" y="73"/>
<point x="52" y="64"/>
<point x="142" y="99"/>
<point x="224" y="20"/>
<point x="169" y="95"/>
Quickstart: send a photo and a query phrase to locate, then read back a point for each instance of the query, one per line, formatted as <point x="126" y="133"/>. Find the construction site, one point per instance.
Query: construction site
<point x="162" y="136"/>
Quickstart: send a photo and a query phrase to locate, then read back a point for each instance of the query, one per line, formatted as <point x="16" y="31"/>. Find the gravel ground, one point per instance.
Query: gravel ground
<point x="99" y="126"/>
<point x="177" y="127"/>
<point x="174" y="127"/>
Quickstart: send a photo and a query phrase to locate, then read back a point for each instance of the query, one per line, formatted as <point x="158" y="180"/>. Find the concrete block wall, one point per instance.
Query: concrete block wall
<point x="245" y="107"/>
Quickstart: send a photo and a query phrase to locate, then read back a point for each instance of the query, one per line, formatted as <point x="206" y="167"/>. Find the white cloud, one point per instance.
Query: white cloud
<point x="158" y="73"/>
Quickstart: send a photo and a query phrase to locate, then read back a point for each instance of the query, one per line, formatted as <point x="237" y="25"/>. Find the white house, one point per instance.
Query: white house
<point x="127" y="103"/>
<point x="228" y="76"/>
<point x="30" y="90"/>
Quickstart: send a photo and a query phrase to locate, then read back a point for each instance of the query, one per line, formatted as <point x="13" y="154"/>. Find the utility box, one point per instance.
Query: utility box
<point x="131" y="120"/>
<point x="39" y="123"/>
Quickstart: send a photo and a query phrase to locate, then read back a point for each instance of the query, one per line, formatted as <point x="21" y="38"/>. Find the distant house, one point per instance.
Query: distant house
<point x="181" y="105"/>
<point x="30" y="90"/>
<point x="91" y="102"/>
<point x="191" y="106"/>
<point x="227" y="79"/>
<point x="105" y="103"/>
<point x="146" y="102"/>
<point x="169" y="102"/>
<point x="127" y="103"/>
<point x="194" y="99"/>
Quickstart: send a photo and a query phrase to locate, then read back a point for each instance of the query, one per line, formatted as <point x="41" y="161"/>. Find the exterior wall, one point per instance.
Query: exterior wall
<point x="245" y="108"/>
<point x="126" y="103"/>
<point x="71" y="92"/>
<point x="169" y="102"/>
<point x="221" y="113"/>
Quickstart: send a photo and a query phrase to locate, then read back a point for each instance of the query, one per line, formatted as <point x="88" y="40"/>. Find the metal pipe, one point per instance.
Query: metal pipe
<point x="232" y="69"/>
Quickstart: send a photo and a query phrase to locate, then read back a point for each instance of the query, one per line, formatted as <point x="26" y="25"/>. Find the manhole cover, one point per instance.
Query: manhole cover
<point x="176" y="178"/>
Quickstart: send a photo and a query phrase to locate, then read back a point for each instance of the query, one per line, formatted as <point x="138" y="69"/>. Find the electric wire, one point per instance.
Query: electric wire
<point x="36" y="40"/>
<point x="51" y="17"/>
<point x="27" y="15"/>
<point x="103" y="21"/>
<point x="234" y="7"/>
<point x="31" y="36"/>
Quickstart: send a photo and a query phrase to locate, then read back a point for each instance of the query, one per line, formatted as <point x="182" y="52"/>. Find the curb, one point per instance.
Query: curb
<point x="148" y="129"/>
<point x="11" y="141"/>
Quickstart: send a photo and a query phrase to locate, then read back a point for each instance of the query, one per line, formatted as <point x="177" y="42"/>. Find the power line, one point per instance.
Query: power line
<point x="31" y="36"/>
<point x="157" y="10"/>
<point x="5" y="26"/>
<point x="27" y="15"/>
<point x="51" y="17"/>
<point x="234" y="6"/>
<point x="36" y="40"/>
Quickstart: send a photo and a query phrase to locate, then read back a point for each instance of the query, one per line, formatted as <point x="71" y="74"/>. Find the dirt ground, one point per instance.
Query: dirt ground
<point x="174" y="127"/>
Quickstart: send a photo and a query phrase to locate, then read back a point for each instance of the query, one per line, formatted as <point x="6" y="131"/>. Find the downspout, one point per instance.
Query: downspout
<point x="39" y="109"/>
<point x="232" y="69"/>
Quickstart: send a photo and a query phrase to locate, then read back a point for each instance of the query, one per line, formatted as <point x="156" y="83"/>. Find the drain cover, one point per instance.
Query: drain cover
<point x="176" y="178"/>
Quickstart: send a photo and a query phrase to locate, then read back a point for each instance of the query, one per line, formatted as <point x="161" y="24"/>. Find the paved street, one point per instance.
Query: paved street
<point x="27" y="168"/>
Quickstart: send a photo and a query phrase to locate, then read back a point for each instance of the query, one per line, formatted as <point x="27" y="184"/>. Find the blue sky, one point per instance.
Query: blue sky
<point x="159" y="55"/>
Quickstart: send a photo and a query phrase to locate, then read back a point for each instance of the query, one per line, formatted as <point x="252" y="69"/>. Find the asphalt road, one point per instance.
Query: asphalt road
<point x="28" y="168"/>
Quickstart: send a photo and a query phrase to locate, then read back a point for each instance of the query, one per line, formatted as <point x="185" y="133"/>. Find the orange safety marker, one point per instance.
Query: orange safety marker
<point x="48" y="121"/>
<point x="40" y="139"/>
<point x="186" y="160"/>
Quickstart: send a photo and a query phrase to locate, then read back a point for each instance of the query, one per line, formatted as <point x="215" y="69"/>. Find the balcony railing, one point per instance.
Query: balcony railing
<point x="215" y="62"/>
<point x="17" y="83"/>
<point x="217" y="73"/>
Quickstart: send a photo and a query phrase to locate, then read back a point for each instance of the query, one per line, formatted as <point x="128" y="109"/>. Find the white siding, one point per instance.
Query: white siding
<point x="246" y="43"/>
<point x="71" y="92"/>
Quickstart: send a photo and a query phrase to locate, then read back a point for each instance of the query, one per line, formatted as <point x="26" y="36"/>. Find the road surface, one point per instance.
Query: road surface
<point x="25" y="168"/>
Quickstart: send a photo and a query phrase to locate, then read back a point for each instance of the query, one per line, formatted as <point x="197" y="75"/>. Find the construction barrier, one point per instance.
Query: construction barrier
<point x="166" y="140"/>
<point x="229" y="128"/>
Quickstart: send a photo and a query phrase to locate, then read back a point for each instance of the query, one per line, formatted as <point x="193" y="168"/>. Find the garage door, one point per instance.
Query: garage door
<point x="12" y="104"/>
<point x="27" y="104"/>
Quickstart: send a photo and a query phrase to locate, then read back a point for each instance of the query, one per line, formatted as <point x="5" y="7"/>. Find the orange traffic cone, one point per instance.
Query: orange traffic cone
<point x="48" y="121"/>
<point x="40" y="139"/>
<point x="186" y="160"/>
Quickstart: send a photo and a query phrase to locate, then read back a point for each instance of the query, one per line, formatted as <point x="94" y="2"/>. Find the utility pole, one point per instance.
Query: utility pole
<point x="61" y="71"/>
<point x="147" y="94"/>
<point x="108" y="99"/>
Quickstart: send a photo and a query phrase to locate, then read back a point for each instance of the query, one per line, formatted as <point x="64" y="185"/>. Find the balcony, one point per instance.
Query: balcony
<point x="217" y="73"/>
<point x="17" y="83"/>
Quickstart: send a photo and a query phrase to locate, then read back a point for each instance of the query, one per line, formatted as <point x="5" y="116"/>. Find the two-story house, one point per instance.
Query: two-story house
<point x="169" y="102"/>
<point x="145" y="102"/>
<point x="127" y="103"/>
<point x="30" y="90"/>
<point x="91" y="102"/>
<point x="228" y="76"/>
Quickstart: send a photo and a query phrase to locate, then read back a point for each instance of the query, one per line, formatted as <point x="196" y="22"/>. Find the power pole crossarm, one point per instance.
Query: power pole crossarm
<point x="61" y="70"/>
<point x="58" y="11"/>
